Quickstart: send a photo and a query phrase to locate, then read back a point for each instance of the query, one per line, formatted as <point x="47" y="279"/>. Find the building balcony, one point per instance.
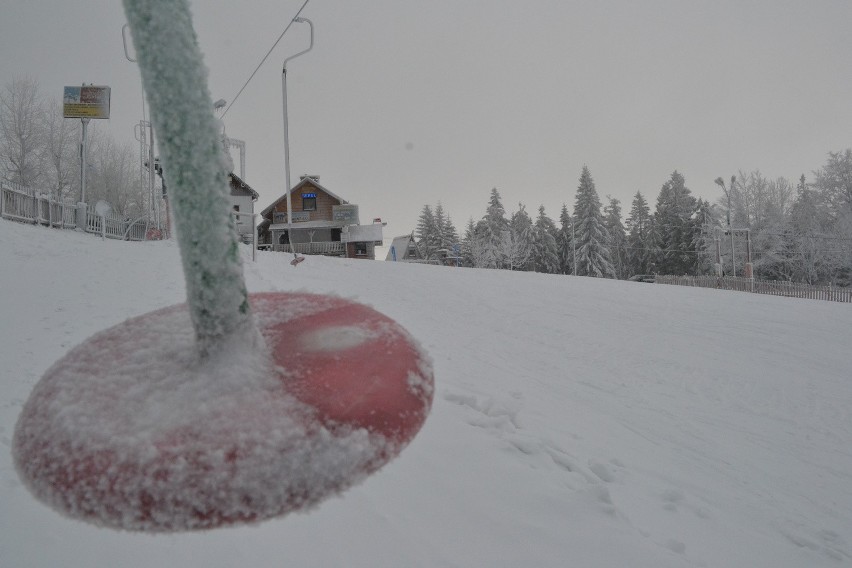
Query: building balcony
<point x="330" y="248"/>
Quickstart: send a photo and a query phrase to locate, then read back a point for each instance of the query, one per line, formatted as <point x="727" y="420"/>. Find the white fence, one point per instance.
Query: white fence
<point x="771" y="287"/>
<point x="22" y="204"/>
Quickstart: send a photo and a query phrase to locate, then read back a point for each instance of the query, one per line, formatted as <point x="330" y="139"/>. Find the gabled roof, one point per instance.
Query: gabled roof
<point x="399" y="248"/>
<point x="306" y="180"/>
<point x="237" y="183"/>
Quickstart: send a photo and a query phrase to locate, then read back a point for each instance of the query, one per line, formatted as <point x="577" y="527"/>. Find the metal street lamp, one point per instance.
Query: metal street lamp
<point x="287" y="132"/>
<point x="721" y="183"/>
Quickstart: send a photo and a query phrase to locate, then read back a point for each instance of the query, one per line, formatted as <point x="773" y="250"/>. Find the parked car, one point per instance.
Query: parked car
<point x="643" y="278"/>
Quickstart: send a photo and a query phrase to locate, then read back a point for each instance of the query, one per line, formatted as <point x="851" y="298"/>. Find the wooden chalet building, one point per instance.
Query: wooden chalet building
<point x="322" y="223"/>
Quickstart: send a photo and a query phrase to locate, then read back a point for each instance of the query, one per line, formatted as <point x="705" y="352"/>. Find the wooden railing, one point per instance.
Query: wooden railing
<point x="770" y="287"/>
<point x="331" y="247"/>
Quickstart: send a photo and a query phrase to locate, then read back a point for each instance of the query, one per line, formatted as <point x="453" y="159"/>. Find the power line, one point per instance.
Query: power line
<point x="262" y="61"/>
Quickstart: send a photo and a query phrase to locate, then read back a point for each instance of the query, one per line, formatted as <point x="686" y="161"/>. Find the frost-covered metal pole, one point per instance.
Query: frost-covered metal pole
<point x="84" y="158"/>
<point x="241" y="144"/>
<point x="718" y="242"/>
<point x="175" y="81"/>
<point x="287" y="133"/>
<point x="721" y="183"/>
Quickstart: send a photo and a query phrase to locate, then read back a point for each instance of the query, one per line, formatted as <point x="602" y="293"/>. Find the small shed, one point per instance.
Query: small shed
<point x="404" y="249"/>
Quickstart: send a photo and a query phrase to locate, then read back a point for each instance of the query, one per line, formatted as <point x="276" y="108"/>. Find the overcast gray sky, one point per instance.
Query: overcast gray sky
<point x="404" y="103"/>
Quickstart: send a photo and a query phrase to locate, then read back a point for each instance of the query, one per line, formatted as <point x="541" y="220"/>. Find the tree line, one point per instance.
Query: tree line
<point x="40" y="150"/>
<point x="800" y="233"/>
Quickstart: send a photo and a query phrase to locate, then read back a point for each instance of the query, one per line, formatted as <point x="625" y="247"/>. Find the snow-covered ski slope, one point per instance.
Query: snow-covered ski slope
<point x="577" y="422"/>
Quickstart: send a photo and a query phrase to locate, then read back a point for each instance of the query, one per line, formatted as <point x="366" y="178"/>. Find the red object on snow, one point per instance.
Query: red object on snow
<point x="132" y="430"/>
<point x="297" y="260"/>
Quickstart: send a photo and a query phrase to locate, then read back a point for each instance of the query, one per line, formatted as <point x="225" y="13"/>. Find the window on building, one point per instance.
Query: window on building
<point x="280" y="217"/>
<point x="360" y="249"/>
<point x="309" y="202"/>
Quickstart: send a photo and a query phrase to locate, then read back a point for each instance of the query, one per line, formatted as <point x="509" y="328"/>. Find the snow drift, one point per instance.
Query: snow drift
<point x="576" y="422"/>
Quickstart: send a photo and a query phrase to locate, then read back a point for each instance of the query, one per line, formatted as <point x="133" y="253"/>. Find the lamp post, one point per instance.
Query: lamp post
<point x="287" y="132"/>
<point x="721" y="183"/>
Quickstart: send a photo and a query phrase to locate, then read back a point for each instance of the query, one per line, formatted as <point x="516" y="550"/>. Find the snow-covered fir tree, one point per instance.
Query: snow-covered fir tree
<point x="640" y="244"/>
<point x="564" y="242"/>
<point x="427" y="234"/>
<point x="490" y="231"/>
<point x="544" y="252"/>
<point x="593" y="254"/>
<point x="435" y="235"/>
<point x="448" y="237"/>
<point x="675" y="231"/>
<point x="440" y="225"/>
<point x="520" y="227"/>
<point x="617" y="236"/>
<point x="472" y="247"/>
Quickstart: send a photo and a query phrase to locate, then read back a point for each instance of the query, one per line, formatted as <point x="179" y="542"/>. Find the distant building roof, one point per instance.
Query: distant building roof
<point x="241" y="187"/>
<point x="403" y="249"/>
<point x="306" y="180"/>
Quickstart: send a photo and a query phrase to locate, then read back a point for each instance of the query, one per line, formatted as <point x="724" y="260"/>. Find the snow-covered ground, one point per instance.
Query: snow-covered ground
<point x="577" y="422"/>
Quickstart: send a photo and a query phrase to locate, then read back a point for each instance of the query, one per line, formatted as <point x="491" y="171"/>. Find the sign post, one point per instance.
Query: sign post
<point x="85" y="102"/>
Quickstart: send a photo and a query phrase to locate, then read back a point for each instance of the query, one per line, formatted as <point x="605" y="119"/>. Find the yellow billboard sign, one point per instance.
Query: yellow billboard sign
<point x="88" y="101"/>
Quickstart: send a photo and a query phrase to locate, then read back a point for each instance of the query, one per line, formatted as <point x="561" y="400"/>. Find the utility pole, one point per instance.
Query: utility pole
<point x="718" y="242"/>
<point x="145" y="136"/>
<point x="721" y="183"/>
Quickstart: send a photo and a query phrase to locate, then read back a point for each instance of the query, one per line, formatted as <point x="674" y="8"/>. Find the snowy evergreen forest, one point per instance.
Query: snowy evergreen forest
<point x="40" y="149"/>
<point x="799" y="232"/>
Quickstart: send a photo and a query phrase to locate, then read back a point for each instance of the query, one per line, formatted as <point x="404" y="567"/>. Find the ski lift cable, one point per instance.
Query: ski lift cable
<point x="265" y="57"/>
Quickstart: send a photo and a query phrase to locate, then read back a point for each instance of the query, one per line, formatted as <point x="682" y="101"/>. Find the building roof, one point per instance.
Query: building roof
<point x="306" y="180"/>
<point x="238" y="184"/>
<point x="400" y="247"/>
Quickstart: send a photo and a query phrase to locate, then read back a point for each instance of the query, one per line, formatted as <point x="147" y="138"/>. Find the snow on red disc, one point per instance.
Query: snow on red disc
<point x="133" y="430"/>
